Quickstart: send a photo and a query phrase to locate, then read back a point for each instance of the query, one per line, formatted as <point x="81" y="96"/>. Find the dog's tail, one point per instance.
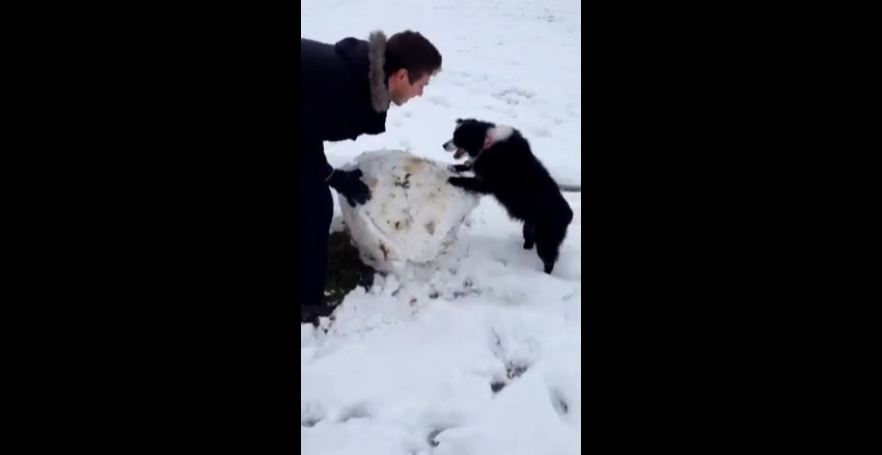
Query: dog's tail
<point x="571" y="188"/>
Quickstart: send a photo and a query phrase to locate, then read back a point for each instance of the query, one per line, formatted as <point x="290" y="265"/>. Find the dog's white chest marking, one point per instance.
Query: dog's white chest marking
<point x="499" y="133"/>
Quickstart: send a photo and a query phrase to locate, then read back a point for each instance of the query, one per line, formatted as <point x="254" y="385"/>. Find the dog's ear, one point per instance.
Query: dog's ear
<point x="459" y="121"/>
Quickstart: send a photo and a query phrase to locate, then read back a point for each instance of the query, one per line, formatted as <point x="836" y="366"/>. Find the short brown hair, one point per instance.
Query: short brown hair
<point x="411" y="51"/>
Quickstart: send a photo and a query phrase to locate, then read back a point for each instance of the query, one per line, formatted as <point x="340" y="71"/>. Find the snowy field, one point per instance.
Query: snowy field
<point x="479" y="354"/>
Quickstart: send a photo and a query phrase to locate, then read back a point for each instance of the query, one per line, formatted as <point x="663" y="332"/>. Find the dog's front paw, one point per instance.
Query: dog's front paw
<point x="458" y="182"/>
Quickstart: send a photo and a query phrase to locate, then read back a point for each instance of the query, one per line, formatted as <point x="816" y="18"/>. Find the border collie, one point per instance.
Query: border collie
<point x="505" y="167"/>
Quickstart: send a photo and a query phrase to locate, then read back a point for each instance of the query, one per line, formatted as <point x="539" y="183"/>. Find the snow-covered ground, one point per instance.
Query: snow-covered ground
<point x="479" y="354"/>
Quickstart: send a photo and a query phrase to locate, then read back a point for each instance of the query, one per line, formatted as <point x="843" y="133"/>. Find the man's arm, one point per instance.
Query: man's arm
<point x="312" y="149"/>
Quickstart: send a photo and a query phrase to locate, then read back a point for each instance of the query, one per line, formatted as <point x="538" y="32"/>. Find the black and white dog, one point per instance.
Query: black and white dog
<point x="505" y="167"/>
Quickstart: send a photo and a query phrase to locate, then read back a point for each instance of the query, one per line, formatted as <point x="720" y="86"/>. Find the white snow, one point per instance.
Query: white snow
<point x="406" y="368"/>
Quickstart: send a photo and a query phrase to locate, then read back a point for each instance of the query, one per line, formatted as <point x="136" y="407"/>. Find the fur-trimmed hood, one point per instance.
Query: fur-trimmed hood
<point x="380" y="97"/>
<point x="373" y="53"/>
<point x="343" y="88"/>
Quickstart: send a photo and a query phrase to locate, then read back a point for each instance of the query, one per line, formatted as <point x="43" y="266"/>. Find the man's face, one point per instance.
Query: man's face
<point x="401" y="89"/>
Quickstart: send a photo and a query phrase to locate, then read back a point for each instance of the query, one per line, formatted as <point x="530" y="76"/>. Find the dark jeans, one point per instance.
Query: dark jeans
<point x="316" y="211"/>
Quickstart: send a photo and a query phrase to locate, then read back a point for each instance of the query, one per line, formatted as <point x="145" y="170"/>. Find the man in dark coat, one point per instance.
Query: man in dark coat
<point x="346" y="89"/>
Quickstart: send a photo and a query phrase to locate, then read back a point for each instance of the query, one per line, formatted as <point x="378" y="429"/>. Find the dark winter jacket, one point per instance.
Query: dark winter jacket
<point x="343" y="95"/>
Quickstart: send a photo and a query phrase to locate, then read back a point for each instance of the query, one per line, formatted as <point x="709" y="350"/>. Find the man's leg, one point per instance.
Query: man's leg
<point x="317" y="209"/>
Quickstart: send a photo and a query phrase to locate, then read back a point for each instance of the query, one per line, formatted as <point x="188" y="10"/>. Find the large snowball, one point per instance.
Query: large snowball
<point x="413" y="214"/>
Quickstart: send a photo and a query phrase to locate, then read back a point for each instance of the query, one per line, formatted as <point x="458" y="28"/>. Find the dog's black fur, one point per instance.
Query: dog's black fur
<point x="509" y="171"/>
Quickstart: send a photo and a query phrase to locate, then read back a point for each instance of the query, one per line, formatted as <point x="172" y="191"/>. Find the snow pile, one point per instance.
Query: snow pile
<point x="413" y="215"/>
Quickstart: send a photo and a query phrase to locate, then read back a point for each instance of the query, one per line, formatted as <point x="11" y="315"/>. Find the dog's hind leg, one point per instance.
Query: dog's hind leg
<point x="548" y="251"/>
<point x="529" y="235"/>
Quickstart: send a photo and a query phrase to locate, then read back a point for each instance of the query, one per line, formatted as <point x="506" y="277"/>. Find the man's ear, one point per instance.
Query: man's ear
<point x="400" y="75"/>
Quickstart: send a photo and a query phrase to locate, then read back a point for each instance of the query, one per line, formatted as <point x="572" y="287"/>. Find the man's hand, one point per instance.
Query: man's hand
<point x="348" y="184"/>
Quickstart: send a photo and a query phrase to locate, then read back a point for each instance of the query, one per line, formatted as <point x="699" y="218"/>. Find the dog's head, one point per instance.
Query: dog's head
<point x="470" y="136"/>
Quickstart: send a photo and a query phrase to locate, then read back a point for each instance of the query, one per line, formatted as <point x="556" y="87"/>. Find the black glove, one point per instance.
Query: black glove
<point x="348" y="184"/>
